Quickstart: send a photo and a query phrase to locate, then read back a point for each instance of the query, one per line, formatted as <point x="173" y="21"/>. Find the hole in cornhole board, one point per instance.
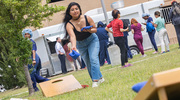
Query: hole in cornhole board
<point x="60" y="86"/>
<point x="56" y="81"/>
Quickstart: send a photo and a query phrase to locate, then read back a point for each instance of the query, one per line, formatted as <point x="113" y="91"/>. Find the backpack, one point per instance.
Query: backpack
<point x="150" y="27"/>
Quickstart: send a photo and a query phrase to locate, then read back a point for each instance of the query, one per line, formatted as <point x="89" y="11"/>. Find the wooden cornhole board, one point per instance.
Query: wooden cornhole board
<point x="162" y="86"/>
<point x="59" y="86"/>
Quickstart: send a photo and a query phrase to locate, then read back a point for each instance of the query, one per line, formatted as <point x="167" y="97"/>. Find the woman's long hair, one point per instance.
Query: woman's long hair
<point x="68" y="17"/>
<point x="176" y="8"/>
<point x="134" y="22"/>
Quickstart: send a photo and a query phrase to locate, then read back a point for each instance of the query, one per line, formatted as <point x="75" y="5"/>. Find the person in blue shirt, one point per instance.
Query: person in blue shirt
<point x="150" y="29"/>
<point x="103" y="40"/>
<point x="36" y="61"/>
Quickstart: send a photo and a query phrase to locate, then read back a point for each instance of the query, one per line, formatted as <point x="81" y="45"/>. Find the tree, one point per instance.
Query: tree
<point x="16" y="15"/>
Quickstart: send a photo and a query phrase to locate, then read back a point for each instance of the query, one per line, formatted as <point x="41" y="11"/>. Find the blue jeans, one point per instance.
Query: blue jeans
<point x="151" y="36"/>
<point x="35" y="75"/>
<point x="103" y="54"/>
<point x="89" y="50"/>
<point x="127" y="47"/>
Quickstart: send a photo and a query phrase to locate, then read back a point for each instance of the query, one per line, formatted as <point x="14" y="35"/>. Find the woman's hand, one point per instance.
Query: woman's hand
<point x="87" y="30"/>
<point x="74" y="48"/>
<point x="143" y="23"/>
<point x="33" y="62"/>
<point x="127" y="29"/>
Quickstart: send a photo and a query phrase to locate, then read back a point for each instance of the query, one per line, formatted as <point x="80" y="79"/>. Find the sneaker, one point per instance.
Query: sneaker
<point x="144" y="55"/>
<point x="36" y="89"/>
<point x="155" y="52"/>
<point x="101" y="80"/>
<point x="162" y="52"/>
<point x="124" y="66"/>
<point x="129" y="65"/>
<point x="167" y="50"/>
<point x="95" y="84"/>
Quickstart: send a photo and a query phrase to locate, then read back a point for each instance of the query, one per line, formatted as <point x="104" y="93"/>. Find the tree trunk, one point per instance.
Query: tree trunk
<point x="28" y="79"/>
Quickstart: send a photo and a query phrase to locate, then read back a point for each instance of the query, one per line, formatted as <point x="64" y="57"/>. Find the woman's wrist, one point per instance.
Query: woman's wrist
<point x="34" y="59"/>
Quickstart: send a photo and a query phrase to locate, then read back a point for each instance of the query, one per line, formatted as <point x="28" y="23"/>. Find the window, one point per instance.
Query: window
<point x="52" y="1"/>
<point x="165" y="14"/>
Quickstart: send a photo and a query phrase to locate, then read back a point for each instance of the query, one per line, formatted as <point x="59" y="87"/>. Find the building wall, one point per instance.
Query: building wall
<point x="87" y="5"/>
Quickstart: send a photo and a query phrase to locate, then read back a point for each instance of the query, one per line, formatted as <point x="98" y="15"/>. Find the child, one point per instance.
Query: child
<point x="162" y="32"/>
<point x="36" y="61"/>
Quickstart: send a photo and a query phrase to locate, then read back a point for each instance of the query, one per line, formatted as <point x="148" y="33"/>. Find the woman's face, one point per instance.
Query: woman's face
<point x="119" y="15"/>
<point x="74" y="11"/>
<point x="27" y="35"/>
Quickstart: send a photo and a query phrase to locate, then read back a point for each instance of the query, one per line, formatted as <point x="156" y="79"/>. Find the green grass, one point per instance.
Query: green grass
<point x="118" y="81"/>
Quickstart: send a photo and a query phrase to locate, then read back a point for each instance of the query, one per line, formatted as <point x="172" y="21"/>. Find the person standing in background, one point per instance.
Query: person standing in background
<point x="136" y="29"/>
<point x="117" y="26"/>
<point x="78" y="59"/>
<point x="125" y="25"/>
<point x="103" y="41"/>
<point x="61" y="54"/>
<point x="150" y="29"/>
<point x="174" y="14"/>
<point x="162" y="32"/>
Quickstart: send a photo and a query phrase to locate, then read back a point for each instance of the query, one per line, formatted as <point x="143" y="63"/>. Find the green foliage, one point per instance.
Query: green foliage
<point x="16" y="15"/>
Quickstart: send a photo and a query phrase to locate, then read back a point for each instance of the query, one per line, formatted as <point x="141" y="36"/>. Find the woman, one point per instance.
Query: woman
<point x="136" y="29"/>
<point x="150" y="29"/>
<point x="174" y="14"/>
<point x="86" y="41"/>
<point x="36" y="61"/>
<point x="162" y="32"/>
<point x="117" y="26"/>
<point x="103" y="40"/>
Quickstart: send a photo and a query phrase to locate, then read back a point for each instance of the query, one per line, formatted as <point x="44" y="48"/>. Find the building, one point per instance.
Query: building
<point x="87" y="5"/>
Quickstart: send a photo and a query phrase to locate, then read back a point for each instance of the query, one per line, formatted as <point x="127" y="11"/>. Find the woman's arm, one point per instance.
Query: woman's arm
<point x="34" y="57"/>
<point x="154" y="24"/>
<point x="71" y="33"/>
<point x="91" y="22"/>
<point x="107" y="29"/>
<point x="132" y="30"/>
<point x="142" y="29"/>
<point x="123" y="30"/>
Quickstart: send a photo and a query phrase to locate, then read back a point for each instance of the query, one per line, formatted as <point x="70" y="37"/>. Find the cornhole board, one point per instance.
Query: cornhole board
<point x="59" y="86"/>
<point x="162" y="86"/>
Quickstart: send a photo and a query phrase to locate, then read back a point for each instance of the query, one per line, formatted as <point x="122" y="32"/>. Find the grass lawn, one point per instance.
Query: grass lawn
<point x="118" y="81"/>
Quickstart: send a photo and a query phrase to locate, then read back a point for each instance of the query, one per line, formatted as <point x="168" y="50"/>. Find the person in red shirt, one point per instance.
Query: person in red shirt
<point x="117" y="27"/>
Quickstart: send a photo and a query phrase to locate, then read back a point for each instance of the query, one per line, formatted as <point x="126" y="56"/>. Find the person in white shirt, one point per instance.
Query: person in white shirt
<point x="61" y="54"/>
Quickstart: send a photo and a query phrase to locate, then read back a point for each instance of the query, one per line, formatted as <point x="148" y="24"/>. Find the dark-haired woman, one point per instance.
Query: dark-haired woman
<point x="175" y="16"/>
<point x="117" y="26"/>
<point x="86" y="41"/>
<point x="162" y="32"/>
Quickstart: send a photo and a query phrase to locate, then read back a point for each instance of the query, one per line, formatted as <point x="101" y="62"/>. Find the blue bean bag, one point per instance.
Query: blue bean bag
<point x="137" y="87"/>
<point x="74" y="54"/>
<point x="87" y="27"/>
